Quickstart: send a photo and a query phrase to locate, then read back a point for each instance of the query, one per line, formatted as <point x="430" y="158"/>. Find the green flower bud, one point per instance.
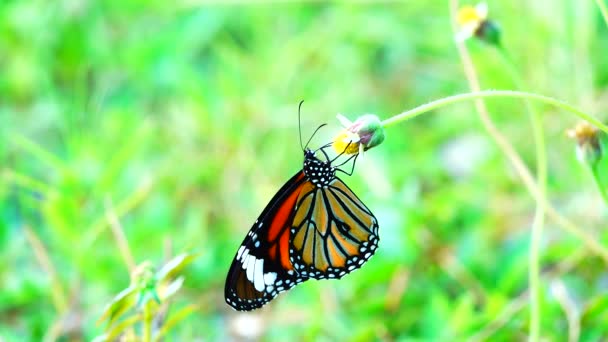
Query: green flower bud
<point x="489" y="32"/>
<point x="366" y="132"/>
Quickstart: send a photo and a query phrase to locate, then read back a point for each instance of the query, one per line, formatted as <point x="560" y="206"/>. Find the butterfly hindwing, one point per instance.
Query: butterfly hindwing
<point x="333" y="232"/>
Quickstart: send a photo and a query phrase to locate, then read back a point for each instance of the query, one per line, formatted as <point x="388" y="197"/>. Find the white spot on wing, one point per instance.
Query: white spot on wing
<point x="238" y="255"/>
<point x="250" y="267"/>
<point x="269" y="278"/>
<point x="244" y="256"/>
<point x="258" y="276"/>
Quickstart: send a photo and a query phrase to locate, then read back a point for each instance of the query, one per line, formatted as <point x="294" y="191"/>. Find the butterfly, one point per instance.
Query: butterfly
<point x="314" y="227"/>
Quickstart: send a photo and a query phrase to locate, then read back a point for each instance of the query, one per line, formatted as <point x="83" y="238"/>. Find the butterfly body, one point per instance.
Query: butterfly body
<point x="314" y="227"/>
<point x="320" y="173"/>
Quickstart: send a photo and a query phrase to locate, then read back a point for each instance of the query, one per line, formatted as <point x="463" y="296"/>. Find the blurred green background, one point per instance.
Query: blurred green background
<point x="183" y="116"/>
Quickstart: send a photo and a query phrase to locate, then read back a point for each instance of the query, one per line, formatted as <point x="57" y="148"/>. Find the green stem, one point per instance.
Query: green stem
<point x="539" y="217"/>
<point x="409" y="114"/>
<point x="602" y="5"/>
<point x="596" y="177"/>
<point x="147" y="326"/>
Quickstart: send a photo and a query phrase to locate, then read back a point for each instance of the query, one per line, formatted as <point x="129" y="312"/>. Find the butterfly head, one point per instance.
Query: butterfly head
<point x="321" y="173"/>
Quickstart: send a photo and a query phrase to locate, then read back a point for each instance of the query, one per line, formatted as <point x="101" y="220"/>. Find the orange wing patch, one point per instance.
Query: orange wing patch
<point x="282" y="215"/>
<point x="278" y="232"/>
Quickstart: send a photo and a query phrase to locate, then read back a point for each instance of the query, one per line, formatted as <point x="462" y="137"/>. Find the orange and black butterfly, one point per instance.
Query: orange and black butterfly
<point x="314" y="227"/>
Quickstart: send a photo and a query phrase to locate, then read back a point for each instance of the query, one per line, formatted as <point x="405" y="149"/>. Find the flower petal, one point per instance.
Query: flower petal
<point x="344" y="121"/>
<point x="482" y="10"/>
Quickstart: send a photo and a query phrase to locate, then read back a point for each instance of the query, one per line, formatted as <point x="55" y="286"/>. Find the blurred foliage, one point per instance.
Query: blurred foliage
<point x="185" y="117"/>
<point x="148" y="300"/>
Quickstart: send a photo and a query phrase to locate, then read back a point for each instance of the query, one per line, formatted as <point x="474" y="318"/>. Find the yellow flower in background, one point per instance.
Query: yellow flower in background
<point x="583" y="133"/>
<point x="470" y="19"/>
<point x="474" y="22"/>
<point x="589" y="149"/>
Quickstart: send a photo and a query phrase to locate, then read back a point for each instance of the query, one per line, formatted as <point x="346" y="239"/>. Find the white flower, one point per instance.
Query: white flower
<point x="470" y="19"/>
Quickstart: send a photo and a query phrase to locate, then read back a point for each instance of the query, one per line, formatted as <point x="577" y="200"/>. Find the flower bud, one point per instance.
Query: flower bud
<point x="366" y="132"/>
<point x="474" y="22"/>
<point x="589" y="147"/>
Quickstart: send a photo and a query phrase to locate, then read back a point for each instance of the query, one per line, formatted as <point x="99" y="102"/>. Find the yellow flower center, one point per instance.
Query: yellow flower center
<point x="583" y="132"/>
<point x="346" y="142"/>
<point x="469" y="15"/>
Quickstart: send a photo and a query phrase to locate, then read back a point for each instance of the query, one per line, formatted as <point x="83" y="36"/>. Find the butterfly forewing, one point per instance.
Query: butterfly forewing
<point x="261" y="268"/>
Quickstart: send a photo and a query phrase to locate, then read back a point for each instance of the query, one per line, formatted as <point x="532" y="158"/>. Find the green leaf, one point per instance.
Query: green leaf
<point x="174" y="266"/>
<point x="595" y="312"/>
<point x="172" y="288"/>
<point x="119" y="328"/>
<point x="122" y="302"/>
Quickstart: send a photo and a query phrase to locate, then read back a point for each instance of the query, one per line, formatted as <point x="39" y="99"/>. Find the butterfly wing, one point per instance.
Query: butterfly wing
<point x="262" y="267"/>
<point x="333" y="232"/>
<point x="305" y="232"/>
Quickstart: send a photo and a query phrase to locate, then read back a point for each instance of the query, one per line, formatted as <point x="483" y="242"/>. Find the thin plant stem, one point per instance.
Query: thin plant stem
<point x="122" y="208"/>
<point x="475" y="95"/>
<point x="590" y="241"/>
<point x="596" y="177"/>
<point x="602" y="6"/>
<point x="58" y="295"/>
<point x="534" y="259"/>
<point x="538" y="191"/>
<point x="560" y="293"/>
<point x="507" y="313"/>
<point x="539" y="214"/>
<point x="147" y="323"/>
<point x="119" y="236"/>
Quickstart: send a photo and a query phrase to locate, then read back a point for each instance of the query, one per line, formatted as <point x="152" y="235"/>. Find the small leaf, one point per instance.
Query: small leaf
<point x="115" y="331"/>
<point x="173" y="288"/>
<point x="596" y="311"/>
<point x="122" y="302"/>
<point x="174" y="266"/>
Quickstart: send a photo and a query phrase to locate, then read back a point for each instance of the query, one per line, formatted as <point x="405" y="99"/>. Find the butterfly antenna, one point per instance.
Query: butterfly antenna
<point x="324" y="147"/>
<point x="313" y="134"/>
<point x="300" y="123"/>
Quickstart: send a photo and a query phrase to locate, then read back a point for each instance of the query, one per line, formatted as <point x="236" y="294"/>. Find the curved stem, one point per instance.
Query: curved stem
<point x="538" y="191"/>
<point x="537" y="228"/>
<point x="602" y="5"/>
<point x="427" y="107"/>
<point x="596" y="177"/>
<point x="539" y="214"/>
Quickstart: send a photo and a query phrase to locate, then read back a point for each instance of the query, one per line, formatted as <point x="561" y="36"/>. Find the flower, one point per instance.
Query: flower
<point x="347" y="142"/>
<point x="589" y="149"/>
<point x="474" y="22"/>
<point x="359" y="136"/>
